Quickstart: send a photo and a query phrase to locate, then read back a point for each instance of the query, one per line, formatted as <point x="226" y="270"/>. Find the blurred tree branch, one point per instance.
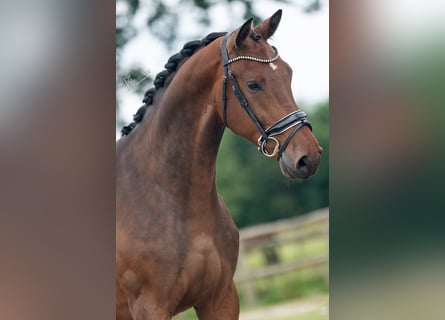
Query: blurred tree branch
<point x="162" y="21"/>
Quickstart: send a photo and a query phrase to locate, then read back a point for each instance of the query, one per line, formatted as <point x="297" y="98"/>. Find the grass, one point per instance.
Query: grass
<point x="293" y="285"/>
<point x="287" y="287"/>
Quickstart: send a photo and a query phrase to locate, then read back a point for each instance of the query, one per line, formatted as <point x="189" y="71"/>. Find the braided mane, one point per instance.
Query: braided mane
<point x="164" y="77"/>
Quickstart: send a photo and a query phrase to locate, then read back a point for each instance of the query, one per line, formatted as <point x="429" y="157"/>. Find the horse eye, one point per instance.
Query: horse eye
<point x="253" y="85"/>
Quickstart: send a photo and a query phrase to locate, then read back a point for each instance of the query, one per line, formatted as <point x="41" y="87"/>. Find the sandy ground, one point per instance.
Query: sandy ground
<point x="288" y="309"/>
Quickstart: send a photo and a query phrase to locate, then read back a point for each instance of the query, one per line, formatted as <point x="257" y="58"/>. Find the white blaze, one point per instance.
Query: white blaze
<point x="273" y="66"/>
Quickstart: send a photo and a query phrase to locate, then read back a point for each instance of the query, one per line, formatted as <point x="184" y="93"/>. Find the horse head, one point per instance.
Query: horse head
<point x="261" y="107"/>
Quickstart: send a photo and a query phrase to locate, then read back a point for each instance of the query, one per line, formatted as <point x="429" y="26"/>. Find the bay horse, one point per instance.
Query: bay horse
<point x="176" y="243"/>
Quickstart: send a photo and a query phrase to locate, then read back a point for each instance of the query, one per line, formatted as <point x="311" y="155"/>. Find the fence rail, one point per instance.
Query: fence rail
<point x="270" y="237"/>
<point x="321" y="215"/>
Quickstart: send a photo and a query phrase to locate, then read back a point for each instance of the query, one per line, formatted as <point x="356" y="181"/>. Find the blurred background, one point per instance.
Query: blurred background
<point x="386" y="205"/>
<point x="387" y="69"/>
<point x="283" y="264"/>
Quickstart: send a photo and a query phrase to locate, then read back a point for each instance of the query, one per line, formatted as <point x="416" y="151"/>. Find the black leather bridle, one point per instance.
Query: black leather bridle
<point x="295" y="119"/>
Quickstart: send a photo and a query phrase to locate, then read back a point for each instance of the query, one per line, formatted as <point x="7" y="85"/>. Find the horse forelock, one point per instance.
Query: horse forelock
<point x="164" y="77"/>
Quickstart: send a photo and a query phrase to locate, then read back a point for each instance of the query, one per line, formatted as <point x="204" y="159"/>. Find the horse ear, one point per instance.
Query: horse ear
<point x="243" y="32"/>
<point x="267" y="28"/>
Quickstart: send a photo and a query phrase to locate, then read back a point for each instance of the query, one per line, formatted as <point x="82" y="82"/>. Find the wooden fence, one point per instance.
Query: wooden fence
<point x="268" y="238"/>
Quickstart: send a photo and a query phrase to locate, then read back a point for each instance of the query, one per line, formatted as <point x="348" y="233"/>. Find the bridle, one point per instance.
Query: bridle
<point x="295" y="119"/>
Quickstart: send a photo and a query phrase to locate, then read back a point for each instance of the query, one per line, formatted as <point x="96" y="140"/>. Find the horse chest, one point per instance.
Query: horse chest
<point x="206" y="270"/>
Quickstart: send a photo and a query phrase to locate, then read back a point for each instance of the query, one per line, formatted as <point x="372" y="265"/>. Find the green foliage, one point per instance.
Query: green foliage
<point x="163" y="23"/>
<point x="284" y="288"/>
<point x="124" y="16"/>
<point x="255" y="189"/>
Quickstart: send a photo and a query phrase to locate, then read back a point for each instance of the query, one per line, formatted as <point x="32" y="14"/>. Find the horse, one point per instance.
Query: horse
<point x="176" y="243"/>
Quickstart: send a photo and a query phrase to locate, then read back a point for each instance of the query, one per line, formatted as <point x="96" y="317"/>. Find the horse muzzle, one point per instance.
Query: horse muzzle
<point x="302" y="166"/>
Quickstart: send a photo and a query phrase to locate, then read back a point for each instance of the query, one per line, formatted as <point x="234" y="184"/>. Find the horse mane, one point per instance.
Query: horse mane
<point x="164" y="77"/>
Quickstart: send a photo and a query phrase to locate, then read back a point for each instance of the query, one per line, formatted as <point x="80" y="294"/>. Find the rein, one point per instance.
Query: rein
<point x="295" y="119"/>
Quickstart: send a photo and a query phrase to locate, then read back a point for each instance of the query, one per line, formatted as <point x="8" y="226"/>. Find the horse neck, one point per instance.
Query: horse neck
<point x="182" y="134"/>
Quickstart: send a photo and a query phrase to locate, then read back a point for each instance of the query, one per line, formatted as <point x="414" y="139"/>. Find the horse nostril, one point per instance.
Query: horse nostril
<point x="302" y="164"/>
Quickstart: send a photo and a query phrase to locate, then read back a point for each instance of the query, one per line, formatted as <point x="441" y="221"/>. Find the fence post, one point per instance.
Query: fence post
<point x="247" y="287"/>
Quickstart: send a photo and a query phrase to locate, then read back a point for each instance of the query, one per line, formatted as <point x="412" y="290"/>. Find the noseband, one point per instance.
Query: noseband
<point x="295" y="119"/>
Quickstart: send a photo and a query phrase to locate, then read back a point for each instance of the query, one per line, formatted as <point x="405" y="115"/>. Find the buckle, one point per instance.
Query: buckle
<point x="262" y="147"/>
